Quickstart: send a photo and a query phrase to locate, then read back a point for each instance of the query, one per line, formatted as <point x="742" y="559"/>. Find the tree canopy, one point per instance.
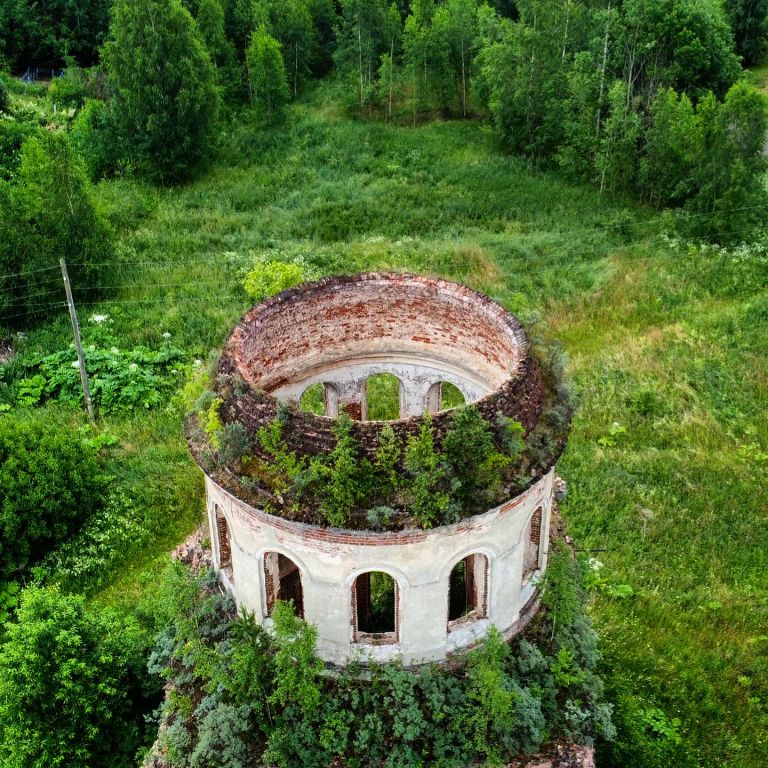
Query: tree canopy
<point x="165" y="87"/>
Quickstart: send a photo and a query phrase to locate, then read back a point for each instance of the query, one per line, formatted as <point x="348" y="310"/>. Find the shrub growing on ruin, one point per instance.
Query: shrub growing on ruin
<point x="471" y="452"/>
<point x="342" y="484"/>
<point x="427" y="491"/>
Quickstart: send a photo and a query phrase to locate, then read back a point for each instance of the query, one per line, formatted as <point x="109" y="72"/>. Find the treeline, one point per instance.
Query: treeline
<point x="640" y="97"/>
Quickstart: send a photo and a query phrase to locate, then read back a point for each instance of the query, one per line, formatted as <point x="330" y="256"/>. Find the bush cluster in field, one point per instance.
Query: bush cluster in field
<point x="236" y="692"/>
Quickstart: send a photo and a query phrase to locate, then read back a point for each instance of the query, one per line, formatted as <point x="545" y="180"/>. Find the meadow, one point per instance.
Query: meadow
<point x="667" y="347"/>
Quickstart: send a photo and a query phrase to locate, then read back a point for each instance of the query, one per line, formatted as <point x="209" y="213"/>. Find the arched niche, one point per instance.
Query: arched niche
<point x="468" y="590"/>
<point x="443" y="395"/>
<point x="375" y="608"/>
<point x="532" y="552"/>
<point x="223" y="541"/>
<point x="313" y="399"/>
<point x="383" y="399"/>
<point x="282" y="581"/>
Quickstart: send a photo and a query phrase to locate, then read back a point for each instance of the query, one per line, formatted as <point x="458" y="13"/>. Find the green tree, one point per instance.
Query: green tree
<point x="619" y="147"/>
<point x="749" y="21"/>
<point x="730" y="170"/>
<point x="456" y="31"/>
<point x="291" y="25"/>
<point x="51" y="33"/>
<point x="266" y="75"/>
<point x="324" y="21"/>
<point x="388" y="75"/>
<point x="210" y="22"/>
<point x="165" y="86"/>
<point x="361" y="41"/>
<point x="51" y="215"/>
<point x="243" y="18"/>
<point x="683" y="44"/>
<point x="418" y="55"/>
<point x="673" y="147"/>
<point x="72" y="687"/>
<point x="49" y="485"/>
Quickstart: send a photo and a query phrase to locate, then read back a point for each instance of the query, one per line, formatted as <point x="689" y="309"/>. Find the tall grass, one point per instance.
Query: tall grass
<point x="668" y="344"/>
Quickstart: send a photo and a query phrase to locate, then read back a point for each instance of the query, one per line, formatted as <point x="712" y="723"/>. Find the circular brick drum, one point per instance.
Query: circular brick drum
<point x="445" y="586"/>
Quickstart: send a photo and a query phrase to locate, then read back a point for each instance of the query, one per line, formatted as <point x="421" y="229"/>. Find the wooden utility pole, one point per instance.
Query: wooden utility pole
<point x="78" y="342"/>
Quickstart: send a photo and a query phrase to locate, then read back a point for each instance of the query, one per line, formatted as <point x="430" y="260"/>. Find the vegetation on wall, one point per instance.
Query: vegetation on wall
<point x="236" y="691"/>
<point x="415" y="481"/>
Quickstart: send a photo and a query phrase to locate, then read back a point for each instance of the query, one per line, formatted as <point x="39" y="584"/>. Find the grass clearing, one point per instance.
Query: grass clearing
<point x="671" y="345"/>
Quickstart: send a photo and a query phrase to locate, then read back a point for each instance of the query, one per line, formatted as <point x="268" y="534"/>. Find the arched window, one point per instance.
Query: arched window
<point x="383" y="397"/>
<point x="222" y="538"/>
<point x="443" y="395"/>
<point x="375" y="607"/>
<point x="468" y="590"/>
<point x="532" y="556"/>
<point x="450" y="396"/>
<point x="282" y="581"/>
<point x="312" y="399"/>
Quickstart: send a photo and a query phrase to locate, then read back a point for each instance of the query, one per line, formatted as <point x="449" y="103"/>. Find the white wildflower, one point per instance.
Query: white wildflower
<point x="167" y="335"/>
<point x="595" y="564"/>
<point x="75" y="363"/>
<point x="133" y="367"/>
<point x="98" y="319"/>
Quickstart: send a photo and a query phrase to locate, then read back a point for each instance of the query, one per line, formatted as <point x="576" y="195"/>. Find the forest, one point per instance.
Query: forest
<point x="596" y="166"/>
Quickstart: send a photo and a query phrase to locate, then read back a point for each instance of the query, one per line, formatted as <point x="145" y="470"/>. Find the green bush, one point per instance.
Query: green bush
<point x="96" y="136"/>
<point x="268" y="695"/>
<point x="271" y="277"/>
<point x="50" y="484"/>
<point x="13" y="134"/>
<point x="111" y="535"/>
<point x="120" y="380"/>
<point x="73" y="687"/>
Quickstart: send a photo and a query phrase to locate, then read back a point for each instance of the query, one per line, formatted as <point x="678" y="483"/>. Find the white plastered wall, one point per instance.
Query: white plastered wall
<point x="329" y="561"/>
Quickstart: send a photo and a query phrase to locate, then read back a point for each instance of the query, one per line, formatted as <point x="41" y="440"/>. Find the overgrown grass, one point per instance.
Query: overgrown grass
<point x="668" y="344"/>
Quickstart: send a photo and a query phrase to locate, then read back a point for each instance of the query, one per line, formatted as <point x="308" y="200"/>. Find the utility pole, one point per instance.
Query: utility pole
<point x="78" y="342"/>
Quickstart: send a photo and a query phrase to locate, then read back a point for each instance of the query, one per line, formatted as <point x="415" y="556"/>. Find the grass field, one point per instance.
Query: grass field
<point x="667" y="464"/>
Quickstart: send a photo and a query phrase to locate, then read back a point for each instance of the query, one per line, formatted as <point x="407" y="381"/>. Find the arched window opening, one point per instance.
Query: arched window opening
<point x="532" y="556"/>
<point x="312" y="399"/>
<point x="443" y="395"/>
<point x="282" y="581"/>
<point x="450" y="396"/>
<point x="222" y="537"/>
<point x="375" y="598"/>
<point x="468" y="590"/>
<point x="383" y="397"/>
